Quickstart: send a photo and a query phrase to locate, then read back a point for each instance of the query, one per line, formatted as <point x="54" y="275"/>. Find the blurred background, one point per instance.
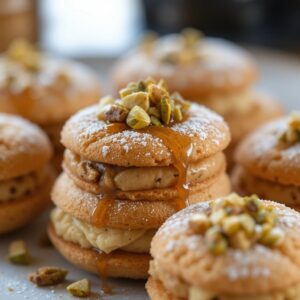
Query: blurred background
<point x="98" y="31"/>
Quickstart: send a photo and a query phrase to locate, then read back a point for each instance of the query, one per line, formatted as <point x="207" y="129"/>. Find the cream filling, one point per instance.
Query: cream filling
<point x="231" y="103"/>
<point x="17" y="187"/>
<point x="181" y="289"/>
<point x="143" y="178"/>
<point x="104" y="239"/>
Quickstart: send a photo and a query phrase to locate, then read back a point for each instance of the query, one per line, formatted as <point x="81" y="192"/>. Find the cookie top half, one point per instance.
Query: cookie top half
<point x="24" y="147"/>
<point x="192" y="256"/>
<point x="96" y="140"/>
<point x="206" y="66"/>
<point x="273" y="151"/>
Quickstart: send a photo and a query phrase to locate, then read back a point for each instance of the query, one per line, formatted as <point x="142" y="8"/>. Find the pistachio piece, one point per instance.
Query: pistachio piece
<point x="81" y="288"/>
<point x="106" y="100"/>
<point x="18" y="253"/>
<point x="138" y="118"/>
<point x="177" y="114"/>
<point x="199" y="223"/>
<point x="247" y="223"/>
<point x="132" y="87"/>
<point x="48" y="276"/>
<point x="140" y="99"/>
<point x="240" y="241"/>
<point x="231" y="225"/>
<point x="191" y="36"/>
<point x="155" y="121"/>
<point x="165" y="110"/>
<point x="216" y="242"/>
<point x="273" y="237"/>
<point x="218" y="216"/>
<point x="156" y="93"/>
<point x="116" y="113"/>
<point x="153" y="111"/>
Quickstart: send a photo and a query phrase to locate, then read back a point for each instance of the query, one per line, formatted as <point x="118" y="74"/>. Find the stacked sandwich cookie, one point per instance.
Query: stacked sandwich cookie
<point x="269" y="162"/>
<point x="232" y="248"/>
<point x="45" y="90"/>
<point x="130" y="163"/>
<point x="25" y="174"/>
<point x="209" y="71"/>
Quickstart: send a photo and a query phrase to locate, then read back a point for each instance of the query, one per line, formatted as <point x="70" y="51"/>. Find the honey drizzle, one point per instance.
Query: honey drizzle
<point x="180" y="147"/>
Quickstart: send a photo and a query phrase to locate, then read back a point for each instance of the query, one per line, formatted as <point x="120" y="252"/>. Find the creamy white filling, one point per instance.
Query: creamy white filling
<point x="104" y="239"/>
<point x="17" y="187"/>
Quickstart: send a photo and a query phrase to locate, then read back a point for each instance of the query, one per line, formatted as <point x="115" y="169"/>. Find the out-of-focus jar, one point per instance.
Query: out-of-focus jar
<point x="18" y="18"/>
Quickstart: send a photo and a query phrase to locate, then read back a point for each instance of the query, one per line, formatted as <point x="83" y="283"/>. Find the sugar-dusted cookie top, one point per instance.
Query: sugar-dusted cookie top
<point x="23" y="147"/>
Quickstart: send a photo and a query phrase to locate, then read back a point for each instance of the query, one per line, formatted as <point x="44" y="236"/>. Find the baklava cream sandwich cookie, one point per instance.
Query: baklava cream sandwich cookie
<point x="209" y="71"/>
<point x="26" y="176"/>
<point x="129" y="164"/>
<point x="268" y="162"/>
<point x="232" y="248"/>
<point x="44" y="89"/>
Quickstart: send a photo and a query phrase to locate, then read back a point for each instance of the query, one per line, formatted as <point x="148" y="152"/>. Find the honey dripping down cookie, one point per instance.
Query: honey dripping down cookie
<point x="148" y="106"/>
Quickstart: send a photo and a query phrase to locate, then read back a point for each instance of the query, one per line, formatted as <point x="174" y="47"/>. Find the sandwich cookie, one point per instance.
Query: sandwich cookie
<point x="268" y="162"/>
<point x="129" y="164"/>
<point x="25" y="174"/>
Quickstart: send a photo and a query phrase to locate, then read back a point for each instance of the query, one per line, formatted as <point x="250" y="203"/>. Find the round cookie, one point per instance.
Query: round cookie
<point x="25" y="176"/>
<point x="184" y="267"/>
<point x="221" y="68"/>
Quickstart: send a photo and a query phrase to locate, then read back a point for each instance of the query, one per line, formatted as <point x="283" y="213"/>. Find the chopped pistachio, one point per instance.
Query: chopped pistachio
<point x="153" y="111"/>
<point x="191" y="36"/>
<point x="231" y="225"/>
<point x="116" y="113"/>
<point x="177" y="113"/>
<point x="131" y="88"/>
<point x="165" y="110"/>
<point x="48" y="276"/>
<point x="199" y="223"/>
<point x="273" y="237"/>
<point x="238" y="222"/>
<point x="81" y="288"/>
<point x="240" y="241"/>
<point x="156" y="93"/>
<point x="155" y="121"/>
<point x="18" y="253"/>
<point x="138" y="118"/>
<point x="247" y="223"/>
<point x="139" y="98"/>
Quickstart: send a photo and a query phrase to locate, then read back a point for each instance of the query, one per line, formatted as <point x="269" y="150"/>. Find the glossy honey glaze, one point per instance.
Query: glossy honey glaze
<point x="181" y="148"/>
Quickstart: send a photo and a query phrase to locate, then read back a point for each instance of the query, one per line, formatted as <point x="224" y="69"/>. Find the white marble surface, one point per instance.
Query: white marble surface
<point x="280" y="75"/>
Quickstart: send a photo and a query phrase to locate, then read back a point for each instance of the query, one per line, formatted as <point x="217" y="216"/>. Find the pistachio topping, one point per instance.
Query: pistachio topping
<point x="18" y="253"/>
<point x="237" y="222"/>
<point x="25" y="54"/>
<point x="292" y="134"/>
<point x="81" y="288"/>
<point x="186" y="52"/>
<point x="144" y="103"/>
<point x="48" y="276"/>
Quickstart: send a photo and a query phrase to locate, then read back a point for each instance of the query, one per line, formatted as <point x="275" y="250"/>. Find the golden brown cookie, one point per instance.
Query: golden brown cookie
<point x="25" y="175"/>
<point x="184" y="266"/>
